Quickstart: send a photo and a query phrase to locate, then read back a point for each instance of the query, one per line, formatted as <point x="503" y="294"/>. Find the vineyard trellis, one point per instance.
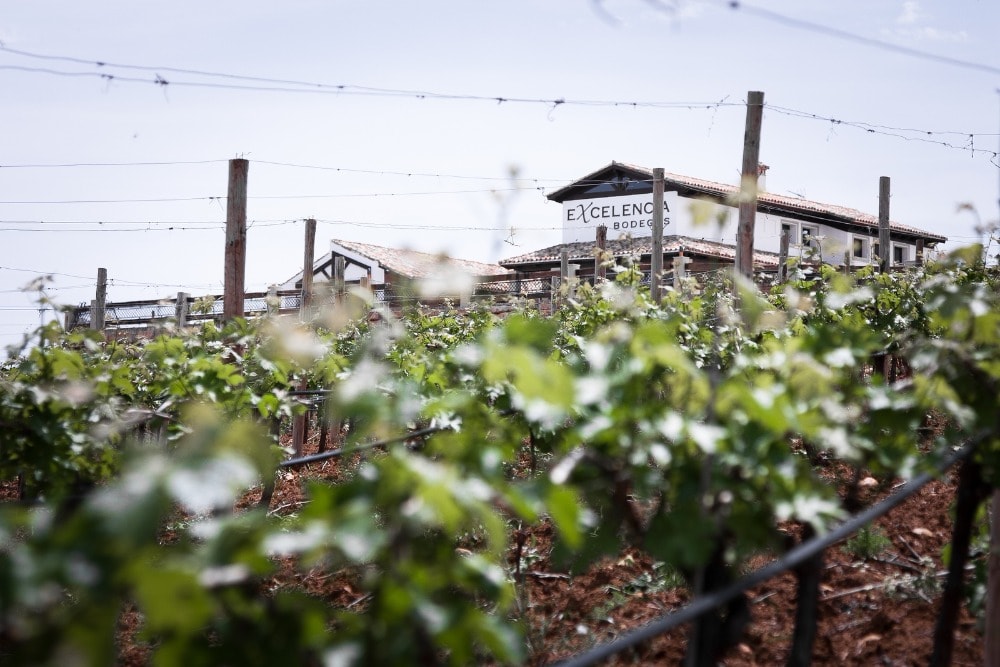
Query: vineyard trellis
<point x="684" y="427"/>
<point x="810" y="550"/>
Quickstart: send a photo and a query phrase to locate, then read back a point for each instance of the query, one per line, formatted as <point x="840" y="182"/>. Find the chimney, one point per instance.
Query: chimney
<point x="762" y="177"/>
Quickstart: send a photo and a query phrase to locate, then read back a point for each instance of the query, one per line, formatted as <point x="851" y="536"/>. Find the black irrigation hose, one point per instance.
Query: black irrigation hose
<point x="333" y="453"/>
<point x="793" y="558"/>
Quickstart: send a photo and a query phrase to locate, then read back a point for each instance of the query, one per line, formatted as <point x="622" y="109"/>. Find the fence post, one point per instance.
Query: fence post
<point x="99" y="303"/>
<point x="600" y="270"/>
<point x="563" y="277"/>
<point x="571" y="279"/>
<point x="339" y="268"/>
<point x="783" y="257"/>
<point x="656" y="254"/>
<point x="680" y="269"/>
<point x="307" y="268"/>
<point x="748" y="184"/>
<point x="181" y="309"/>
<point x="273" y="301"/>
<point x="236" y="240"/>
<point x="884" y="248"/>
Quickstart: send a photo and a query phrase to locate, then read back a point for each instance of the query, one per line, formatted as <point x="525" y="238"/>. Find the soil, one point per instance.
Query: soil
<point x="879" y="610"/>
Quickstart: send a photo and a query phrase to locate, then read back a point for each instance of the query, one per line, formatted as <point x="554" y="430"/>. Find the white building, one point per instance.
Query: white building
<point x="701" y="217"/>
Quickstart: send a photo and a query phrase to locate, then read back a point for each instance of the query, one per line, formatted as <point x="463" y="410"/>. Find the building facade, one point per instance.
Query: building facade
<point x="700" y="220"/>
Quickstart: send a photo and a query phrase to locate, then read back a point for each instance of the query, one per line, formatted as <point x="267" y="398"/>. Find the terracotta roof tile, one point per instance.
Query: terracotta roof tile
<point x="584" y="250"/>
<point x="415" y="264"/>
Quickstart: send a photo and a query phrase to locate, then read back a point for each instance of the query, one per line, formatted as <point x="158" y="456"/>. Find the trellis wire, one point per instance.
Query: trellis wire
<point x="795" y="557"/>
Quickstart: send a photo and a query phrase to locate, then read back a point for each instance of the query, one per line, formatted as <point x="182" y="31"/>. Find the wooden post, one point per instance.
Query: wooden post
<point x="236" y="240"/>
<point x="783" y="257"/>
<point x="563" y="271"/>
<point x="884" y="247"/>
<point x="847" y="262"/>
<point x="680" y="269"/>
<point x="339" y="268"/>
<point x="181" y="309"/>
<point x="273" y="302"/>
<point x="600" y="270"/>
<point x="307" y="267"/>
<point x="100" y="301"/>
<point x="920" y="252"/>
<point x="656" y="254"/>
<point x="571" y="280"/>
<point x="748" y="184"/>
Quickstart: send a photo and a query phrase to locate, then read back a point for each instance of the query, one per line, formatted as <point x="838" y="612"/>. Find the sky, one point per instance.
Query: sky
<point x="441" y="125"/>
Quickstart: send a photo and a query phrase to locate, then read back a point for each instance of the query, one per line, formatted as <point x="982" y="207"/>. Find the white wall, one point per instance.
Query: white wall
<point x="708" y="220"/>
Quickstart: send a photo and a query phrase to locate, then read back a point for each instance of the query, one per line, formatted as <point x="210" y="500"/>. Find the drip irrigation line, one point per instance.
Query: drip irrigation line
<point x="790" y="560"/>
<point x="333" y="453"/>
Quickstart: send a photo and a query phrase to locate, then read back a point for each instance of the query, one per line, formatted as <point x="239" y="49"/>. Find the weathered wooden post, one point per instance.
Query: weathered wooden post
<point x="656" y="254"/>
<point x="98" y="305"/>
<point x="748" y="184"/>
<point x="680" y="270"/>
<point x="307" y="268"/>
<point x="600" y="270"/>
<point x="884" y="249"/>
<point x="273" y="301"/>
<point x="571" y="270"/>
<point x="236" y="240"/>
<point x="181" y="309"/>
<point x="783" y="257"/>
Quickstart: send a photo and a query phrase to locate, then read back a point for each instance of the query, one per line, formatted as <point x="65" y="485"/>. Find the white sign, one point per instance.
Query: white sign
<point x="628" y="214"/>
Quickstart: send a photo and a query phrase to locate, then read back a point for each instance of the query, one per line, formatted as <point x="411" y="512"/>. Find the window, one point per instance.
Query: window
<point x="809" y="234"/>
<point x="898" y="253"/>
<point x="876" y="251"/>
<point x="858" y="247"/>
<point x="789" y="227"/>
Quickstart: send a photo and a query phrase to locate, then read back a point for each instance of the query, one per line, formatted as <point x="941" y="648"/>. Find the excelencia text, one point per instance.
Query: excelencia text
<point x="620" y="216"/>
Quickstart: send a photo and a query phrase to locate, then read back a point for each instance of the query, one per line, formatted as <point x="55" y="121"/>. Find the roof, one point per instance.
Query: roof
<point x="765" y="200"/>
<point x="405" y="263"/>
<point x="415" y="264"/>
<point x="585" y="250"/>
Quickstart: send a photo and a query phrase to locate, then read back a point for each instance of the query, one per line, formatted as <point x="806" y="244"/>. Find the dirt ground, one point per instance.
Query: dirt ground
<point x="879" y="610"/>
<point x="873" y="611"/>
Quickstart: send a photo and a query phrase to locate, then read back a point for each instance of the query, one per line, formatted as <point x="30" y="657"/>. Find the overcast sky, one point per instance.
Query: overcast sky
<point x="399" y="139"/>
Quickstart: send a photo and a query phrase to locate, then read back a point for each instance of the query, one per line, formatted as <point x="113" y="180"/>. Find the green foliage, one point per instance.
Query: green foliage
<point x="869" y="542"/>
<point x="672" y="426"/>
